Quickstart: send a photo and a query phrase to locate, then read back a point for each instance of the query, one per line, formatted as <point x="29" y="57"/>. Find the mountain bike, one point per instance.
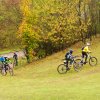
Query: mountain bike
<point x="63" y="68"/>
<point x="4" y="67"/>
<point x="91" y="60"/>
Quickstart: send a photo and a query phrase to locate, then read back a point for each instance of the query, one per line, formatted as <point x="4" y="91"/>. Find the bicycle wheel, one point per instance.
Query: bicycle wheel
<point x="79" y="61"/>
<point x="62" y="69"/>
<point x="11" y="71"/>
<point x="0" y="66"/>
<point x="77" y="65"/>
<point x="3" y="71"/>
<point x="93" y="61"/>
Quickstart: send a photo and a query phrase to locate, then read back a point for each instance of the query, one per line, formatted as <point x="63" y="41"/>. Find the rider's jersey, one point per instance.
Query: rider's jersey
<point x="68" y="55"/>
<point x="86" y="49"/>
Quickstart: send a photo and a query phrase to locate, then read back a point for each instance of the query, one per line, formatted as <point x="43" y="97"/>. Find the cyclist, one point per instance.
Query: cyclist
<point x="69" y="57"/>
<point x="15" y="57"/>
<point x="85" y="51"/>
<point x="4" y="61"/>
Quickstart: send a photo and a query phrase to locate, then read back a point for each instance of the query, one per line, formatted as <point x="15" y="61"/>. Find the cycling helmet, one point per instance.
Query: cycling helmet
<point x="71" y="51"/>
<point x="88" y="44"/>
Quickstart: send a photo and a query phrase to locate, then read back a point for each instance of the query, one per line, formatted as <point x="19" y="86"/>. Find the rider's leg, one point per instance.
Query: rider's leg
<point x="86" y="56"/>
<point x="71" y="61"/>
<point x="67" y="61"/>
<point x="5" y="67"/>
<point x="83" y="55"/>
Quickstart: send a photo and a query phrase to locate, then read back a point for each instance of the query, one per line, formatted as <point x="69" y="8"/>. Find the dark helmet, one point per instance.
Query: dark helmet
<point x="71" y="51"/>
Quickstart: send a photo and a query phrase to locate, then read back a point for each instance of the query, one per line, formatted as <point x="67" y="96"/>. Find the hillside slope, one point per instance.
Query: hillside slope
<point x="41" y="81"/>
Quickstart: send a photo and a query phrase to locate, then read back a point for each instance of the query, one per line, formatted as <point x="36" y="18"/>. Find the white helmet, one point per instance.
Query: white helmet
<point x="88" y="44"/>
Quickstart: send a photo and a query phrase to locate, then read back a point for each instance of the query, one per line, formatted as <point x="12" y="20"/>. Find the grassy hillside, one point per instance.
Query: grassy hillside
<point x="41" y="81"/>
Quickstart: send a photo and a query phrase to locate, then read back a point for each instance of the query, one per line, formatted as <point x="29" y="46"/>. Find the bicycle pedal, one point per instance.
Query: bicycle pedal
<point x="68" y="68"/>
<point x="85" y="62"/>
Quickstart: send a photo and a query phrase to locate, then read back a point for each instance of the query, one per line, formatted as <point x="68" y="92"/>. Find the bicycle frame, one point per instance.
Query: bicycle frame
<point x="91" y="60"/>
<point x="69" y="64"/>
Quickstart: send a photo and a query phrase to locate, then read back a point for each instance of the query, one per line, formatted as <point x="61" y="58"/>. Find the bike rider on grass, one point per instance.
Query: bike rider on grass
<point x="85" y="51"/>
<point x="69" y="58"/>
<point x="5" y="61"/>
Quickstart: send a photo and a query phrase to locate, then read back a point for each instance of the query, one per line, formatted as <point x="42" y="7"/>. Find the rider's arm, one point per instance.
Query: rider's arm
<point x="88" y="50"/>
<point x="71" y="56"/>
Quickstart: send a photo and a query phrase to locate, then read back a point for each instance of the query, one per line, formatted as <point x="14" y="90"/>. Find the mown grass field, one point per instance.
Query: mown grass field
<point x="41" y="81"/>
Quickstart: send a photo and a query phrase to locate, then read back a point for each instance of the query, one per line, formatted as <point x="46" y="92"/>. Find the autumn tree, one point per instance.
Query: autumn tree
<point x="10" y="17"/>
<point x="49" y="26"/>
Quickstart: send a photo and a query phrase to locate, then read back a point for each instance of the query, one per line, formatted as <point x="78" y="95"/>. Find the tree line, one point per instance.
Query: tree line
<point x="10" y="17"/>
<point x="49" y="26"/>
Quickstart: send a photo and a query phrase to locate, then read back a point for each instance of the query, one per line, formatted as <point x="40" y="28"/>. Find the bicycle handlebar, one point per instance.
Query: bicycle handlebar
<point x="72" y="57"/>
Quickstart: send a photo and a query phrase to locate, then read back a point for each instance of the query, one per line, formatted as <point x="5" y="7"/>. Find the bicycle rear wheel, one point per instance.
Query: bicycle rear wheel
<point x="93" y="61"/>
<point x="78" y="65"/>
<point x="62" y="69"/>
<point x="3" y="71"/>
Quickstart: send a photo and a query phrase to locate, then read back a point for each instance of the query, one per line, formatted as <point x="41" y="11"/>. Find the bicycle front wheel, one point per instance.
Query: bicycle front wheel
<point x="10" y="68"/>
<point x="62" y="69"/>
<point x="77" y="65"/>
<point x="79" y="61"/>
<point x="11" y="71"/>
<point x="93" y="61"/>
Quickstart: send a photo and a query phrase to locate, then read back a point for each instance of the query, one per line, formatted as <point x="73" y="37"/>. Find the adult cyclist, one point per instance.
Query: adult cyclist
<point x="85" y="51"/>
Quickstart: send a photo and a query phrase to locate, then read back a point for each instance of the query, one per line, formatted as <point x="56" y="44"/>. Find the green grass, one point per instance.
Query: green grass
<point x="41" y="81"/>
<point x="8" y="50"/>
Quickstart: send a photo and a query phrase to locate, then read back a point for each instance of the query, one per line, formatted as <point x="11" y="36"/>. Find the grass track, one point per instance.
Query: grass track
<point x="40" y="80"/>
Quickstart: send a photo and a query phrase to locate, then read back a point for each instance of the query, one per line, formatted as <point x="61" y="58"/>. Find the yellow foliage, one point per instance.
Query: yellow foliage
<point x="58" y="22"/>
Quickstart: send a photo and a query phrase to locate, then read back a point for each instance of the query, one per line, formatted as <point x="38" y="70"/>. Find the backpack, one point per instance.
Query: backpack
<point x="2" y="59"/>
<point x="67" y="55"/>
<point x="82" y="48"/>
